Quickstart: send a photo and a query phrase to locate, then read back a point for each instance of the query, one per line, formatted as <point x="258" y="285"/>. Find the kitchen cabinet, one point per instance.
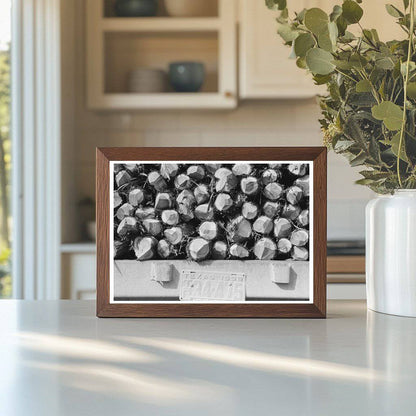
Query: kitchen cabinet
<point x="116" y="46"/>
<point x="265" y="70"/>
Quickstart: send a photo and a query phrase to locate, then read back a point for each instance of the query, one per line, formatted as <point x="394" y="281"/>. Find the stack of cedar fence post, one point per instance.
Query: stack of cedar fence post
<point x="211" y="211"/>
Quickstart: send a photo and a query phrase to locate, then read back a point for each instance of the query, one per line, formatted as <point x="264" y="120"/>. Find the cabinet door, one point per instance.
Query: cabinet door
<point x="265" y="68"/>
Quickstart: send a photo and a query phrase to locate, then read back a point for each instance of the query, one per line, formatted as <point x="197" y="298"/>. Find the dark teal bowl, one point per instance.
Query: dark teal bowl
<point x="186" y="76"/>
<point x="135" y="8"/>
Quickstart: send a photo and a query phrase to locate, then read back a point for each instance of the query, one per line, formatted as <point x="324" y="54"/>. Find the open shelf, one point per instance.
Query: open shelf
<point x="116" y="46"/>
<point x="127" y="51"/>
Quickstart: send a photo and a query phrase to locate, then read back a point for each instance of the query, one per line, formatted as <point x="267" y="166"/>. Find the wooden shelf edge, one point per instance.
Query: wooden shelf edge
<point x="159" y="24"/>
<point x="130" y="101"/>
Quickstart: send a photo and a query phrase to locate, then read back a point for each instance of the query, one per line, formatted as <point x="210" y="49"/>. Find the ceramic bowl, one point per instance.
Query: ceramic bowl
<point x="147" y="80"/>
<point x="135" y="8"/>
<point x="186" y="76"/>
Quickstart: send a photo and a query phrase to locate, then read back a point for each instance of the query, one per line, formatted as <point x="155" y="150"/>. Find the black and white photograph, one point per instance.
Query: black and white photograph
<point x="211" y="232"/>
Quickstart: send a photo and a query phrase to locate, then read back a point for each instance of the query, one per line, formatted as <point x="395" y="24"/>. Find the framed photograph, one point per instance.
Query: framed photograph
<point x="211" y="232"/>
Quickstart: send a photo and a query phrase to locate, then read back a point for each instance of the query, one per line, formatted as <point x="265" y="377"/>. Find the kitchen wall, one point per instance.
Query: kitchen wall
<point x="255" y="123"/>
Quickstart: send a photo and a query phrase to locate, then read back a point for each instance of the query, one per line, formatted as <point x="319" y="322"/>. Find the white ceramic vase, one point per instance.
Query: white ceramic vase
<point x="391" y="253"/>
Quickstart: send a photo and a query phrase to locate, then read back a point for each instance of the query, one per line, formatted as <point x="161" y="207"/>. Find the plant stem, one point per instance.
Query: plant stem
<point x="406" y="80"/>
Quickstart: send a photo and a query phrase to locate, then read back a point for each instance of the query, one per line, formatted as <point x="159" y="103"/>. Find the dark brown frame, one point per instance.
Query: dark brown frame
<point x="317" y="309"/>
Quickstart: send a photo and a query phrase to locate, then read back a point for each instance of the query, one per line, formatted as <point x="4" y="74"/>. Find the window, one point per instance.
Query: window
<point x="5" y="145"/>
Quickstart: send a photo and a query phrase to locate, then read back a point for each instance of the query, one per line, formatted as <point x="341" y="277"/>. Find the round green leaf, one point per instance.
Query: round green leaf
<point x="286" y="32"/>
<point x="319" y="61"/>
<point x="316" y="20"/>
<point x="303" y="43"/>
<point x="301" y="63"/>
<point x="351" y="11"/>
<point x="391" y="114"/>
<point x="336" y="12"/>
<point x="328" y="40"/>
<point x="411" y="90"/>
<point x="276" y="4"/>
<point x="363" y="86"/>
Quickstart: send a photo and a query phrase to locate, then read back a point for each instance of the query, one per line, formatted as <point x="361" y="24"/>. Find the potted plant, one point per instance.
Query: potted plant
<point x="368" y="116"/>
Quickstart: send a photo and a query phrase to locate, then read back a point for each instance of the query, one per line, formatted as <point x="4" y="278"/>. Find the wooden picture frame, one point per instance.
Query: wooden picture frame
<point x="315" y="307"/>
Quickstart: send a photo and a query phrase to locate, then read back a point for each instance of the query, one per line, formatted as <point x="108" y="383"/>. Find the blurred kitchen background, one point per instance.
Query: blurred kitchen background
<point x="118" y="88"/>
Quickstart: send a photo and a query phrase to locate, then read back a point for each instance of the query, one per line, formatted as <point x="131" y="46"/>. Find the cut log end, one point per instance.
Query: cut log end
<point x="144" y="248"/>
<point x="208" y="230"/>
<point x="249" y="185"/>
<point x="223" y="202"/>
<point x="199" y="249"/>
<point x="238" y="251"/>
<point x="263" y="225"/>
<point x="265" y="249"/>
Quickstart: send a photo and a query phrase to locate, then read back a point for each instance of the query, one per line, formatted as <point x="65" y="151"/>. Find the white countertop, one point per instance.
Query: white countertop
<point x="57" y="359"/>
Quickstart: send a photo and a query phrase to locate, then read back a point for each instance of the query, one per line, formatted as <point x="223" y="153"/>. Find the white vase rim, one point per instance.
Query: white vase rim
<point x="405" y="191"/>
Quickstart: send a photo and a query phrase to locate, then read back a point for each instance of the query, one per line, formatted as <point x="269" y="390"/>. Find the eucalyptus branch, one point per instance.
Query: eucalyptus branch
<point x="406" y="80"/>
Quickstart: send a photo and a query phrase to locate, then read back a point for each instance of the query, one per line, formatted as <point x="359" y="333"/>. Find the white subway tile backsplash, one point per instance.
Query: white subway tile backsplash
<point x="271" y="123"/>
